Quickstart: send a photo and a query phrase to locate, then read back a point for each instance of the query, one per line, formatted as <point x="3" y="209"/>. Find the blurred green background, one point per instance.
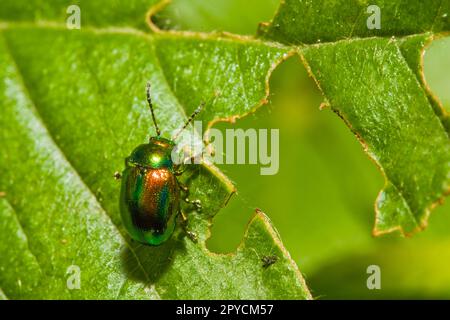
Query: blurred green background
<point x="322" y="199"/>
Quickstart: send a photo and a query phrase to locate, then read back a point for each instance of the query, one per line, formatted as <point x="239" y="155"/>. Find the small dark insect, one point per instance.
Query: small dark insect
<point x="117" y="175"/>
<point x="269" y="260"/>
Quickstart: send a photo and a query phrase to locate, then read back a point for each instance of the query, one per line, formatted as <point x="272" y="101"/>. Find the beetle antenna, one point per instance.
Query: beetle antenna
<point x="149" y="100"/>
<point x="192" y="116"/>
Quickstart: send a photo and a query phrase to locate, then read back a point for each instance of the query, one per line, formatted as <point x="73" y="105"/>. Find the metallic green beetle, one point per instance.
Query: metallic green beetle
<point x="150" y="192"/>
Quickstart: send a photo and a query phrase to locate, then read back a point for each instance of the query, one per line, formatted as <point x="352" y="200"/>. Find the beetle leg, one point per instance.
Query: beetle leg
<point x="184" y="188"/>
<point x="190" y="234"/>
<point x="179" y="169"/>
<point x="197" y="203"/>
<point x="117" y="175"/>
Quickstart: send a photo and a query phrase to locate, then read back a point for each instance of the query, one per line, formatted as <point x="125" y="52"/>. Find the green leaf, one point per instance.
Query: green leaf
<point x="69" y="122"/>
<point x="376" y="86"/>
<point x="387" y="108"/>
<point x="99" y="13"/>
<point x="72" y="108"/>
<point x="412" y="49"/>
<point x="302" y="21"/>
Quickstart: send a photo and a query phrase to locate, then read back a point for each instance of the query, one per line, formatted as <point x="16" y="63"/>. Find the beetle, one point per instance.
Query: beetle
<point x="150" y="190"/>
